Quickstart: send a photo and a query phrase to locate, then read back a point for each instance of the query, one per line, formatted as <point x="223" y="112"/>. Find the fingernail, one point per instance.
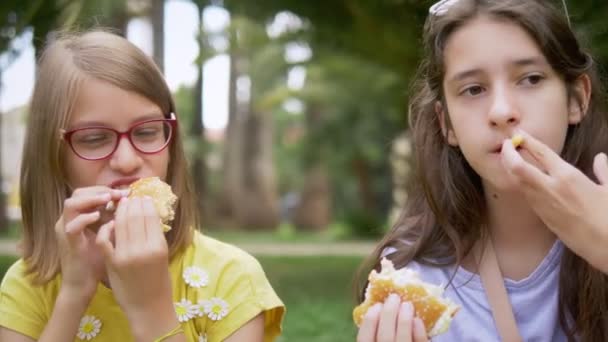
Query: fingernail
<point x="125" y="192"/>
<point x="374" y="310"/>
<point x="110" y="206"/>
<point x="407" y="309"/>
<point x="105" y="197"/>
<point x="393" y="298"/>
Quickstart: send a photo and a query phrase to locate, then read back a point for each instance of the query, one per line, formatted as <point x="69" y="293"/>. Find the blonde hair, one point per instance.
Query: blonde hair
<point x="66" y="61"/>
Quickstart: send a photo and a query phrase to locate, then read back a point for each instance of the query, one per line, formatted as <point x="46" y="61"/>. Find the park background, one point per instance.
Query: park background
<point x="295" y="118"/>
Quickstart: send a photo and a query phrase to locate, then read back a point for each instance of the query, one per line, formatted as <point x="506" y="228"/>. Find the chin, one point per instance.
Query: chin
<point x="499" y="182"/>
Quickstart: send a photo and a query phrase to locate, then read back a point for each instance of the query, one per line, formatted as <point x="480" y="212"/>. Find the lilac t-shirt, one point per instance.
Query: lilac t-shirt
<point x="534" y="301"/>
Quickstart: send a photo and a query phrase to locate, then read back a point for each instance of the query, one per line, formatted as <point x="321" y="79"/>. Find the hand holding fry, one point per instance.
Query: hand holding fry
<point x="572" y="205"/>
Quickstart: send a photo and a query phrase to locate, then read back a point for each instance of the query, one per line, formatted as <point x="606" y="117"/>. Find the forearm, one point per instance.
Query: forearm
<point x="65" y="319"/>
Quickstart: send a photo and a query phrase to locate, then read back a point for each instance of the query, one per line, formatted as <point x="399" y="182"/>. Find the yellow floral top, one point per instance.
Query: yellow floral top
<point x="217" y="288"/>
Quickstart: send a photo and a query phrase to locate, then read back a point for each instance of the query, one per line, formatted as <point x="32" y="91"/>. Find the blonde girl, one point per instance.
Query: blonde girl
<point x="101" y="118"/>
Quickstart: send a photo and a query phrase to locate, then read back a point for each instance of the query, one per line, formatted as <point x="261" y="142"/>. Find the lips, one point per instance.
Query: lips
<point x="123" y="182"/>
<point x="498" y="148"/>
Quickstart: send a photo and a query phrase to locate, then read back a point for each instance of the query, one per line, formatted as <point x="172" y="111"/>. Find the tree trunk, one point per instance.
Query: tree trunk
<point x="231" y="159"/>
<point x="314" y="211"/>
<point x="158" y="27"/>
<point x="258" y="208"/>
<point x="364" y="183"/>
<point x="197" y="130"/>
<point x="3" y="217"/>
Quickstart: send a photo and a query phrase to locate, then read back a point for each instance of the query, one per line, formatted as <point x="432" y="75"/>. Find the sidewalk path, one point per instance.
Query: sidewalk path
<point x="271" y="249"/>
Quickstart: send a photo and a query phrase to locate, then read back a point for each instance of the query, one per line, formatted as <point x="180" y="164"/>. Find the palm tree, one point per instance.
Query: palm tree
<point x="197" y="129"/>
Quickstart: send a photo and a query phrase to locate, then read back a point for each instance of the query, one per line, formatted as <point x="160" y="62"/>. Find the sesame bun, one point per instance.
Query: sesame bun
<point x="435" y="311"/>
<point x="164" y="199"/>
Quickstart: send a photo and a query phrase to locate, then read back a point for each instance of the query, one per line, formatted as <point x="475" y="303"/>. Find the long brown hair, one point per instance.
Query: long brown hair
<point x="446" y="210"/>
<point x="67" y="60"/>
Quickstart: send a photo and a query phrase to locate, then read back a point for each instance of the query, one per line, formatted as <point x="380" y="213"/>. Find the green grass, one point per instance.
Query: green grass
<point x="316" y="290"/>
<point x="335" y="232"/>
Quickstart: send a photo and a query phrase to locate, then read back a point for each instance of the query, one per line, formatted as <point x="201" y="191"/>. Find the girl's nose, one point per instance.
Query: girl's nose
<point x="125" y="159"/>
<point x="503" y="111"/>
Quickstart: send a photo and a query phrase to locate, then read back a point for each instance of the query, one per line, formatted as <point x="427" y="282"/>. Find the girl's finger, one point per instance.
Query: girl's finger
<point x="419" y="331"/>
<point x="405" y="322"/>
<point x="387" y="327"/>
<point x="82" y="203"/>
<point x="600" y="168"/>
<point x="367" y="330"/>
<point x="93" y="190"/>
<point x="120" y="224"/>
<point x="74" y="228"/>
<point x="137" y="223"/>
<point x="104" y="239"/>
<point x="521" y="169"/>
<point x="547" y="158"/>
<point x="154" y="231"/>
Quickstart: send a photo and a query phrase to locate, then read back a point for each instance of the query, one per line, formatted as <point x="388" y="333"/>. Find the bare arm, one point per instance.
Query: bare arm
<point x="7" y="335"/>
<point x="252" y="331"/>
<point x="65" y="319"/>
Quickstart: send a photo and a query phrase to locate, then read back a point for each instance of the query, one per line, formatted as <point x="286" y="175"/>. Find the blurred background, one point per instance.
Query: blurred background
<point x="294" y="115"/>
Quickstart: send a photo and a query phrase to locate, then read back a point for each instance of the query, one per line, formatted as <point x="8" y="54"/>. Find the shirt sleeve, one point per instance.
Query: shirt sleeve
<point x="244" y="287"/>
<point x="22" y="306"/>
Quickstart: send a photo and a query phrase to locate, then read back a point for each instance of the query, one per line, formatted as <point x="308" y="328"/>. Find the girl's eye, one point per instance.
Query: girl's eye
<point x="472" y="91"/>
<point x="532" y="79"/>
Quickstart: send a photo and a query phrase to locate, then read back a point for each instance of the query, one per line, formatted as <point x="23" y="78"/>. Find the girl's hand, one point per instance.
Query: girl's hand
<point x="573" y="206"/>
<point x="81" y="263"/>
<point x="392" y="321"/>
<point x="138" y="267"/>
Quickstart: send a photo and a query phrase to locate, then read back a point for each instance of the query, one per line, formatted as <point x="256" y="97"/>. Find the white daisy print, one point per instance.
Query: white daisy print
<point x="215" y="308"/>
<point x="196" y="276"/>
<point x="89" y="327"/>
<point x="202" y="337"/>
<point x="199" y="308"/>
<point x="185" y="310"/>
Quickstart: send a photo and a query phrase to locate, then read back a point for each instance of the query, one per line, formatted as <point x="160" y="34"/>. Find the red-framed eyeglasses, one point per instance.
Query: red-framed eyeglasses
<point x="100" y="142"/>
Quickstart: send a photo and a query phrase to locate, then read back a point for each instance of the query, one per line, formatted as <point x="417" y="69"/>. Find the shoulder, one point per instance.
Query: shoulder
<point x="16" y="270"/>
<point x="224" y="262"/>
<point x="16" y="277"/>
<point x="212" y="251"/>
<point x="17" y="281"/>
<point x="432" y="273"/>
<point x="24" y="306"/>
<point x="234" y="283"/>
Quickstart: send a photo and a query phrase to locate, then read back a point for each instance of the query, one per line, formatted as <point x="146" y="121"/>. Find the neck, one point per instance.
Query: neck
<point x="521" y="240"/>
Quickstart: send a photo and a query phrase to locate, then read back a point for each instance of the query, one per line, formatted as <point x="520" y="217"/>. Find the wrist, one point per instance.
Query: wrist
<point x="75" y="297"/>
<point x="73" y="300"/>
<point x="152" y="323"/>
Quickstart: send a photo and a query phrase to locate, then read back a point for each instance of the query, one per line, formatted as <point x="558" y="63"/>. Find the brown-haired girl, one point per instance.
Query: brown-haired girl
<point x="517" y="235"/>
<point x="101" y="118"/>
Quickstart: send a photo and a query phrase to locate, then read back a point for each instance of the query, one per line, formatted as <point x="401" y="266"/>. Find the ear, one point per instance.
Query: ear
<point x="579" y="99"/>
<point x="446" y="130"/>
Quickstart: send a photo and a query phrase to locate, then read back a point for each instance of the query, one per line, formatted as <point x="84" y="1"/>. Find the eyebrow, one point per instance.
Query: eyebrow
<point x="519" y="63"/>
<point x="150" y="116"/>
